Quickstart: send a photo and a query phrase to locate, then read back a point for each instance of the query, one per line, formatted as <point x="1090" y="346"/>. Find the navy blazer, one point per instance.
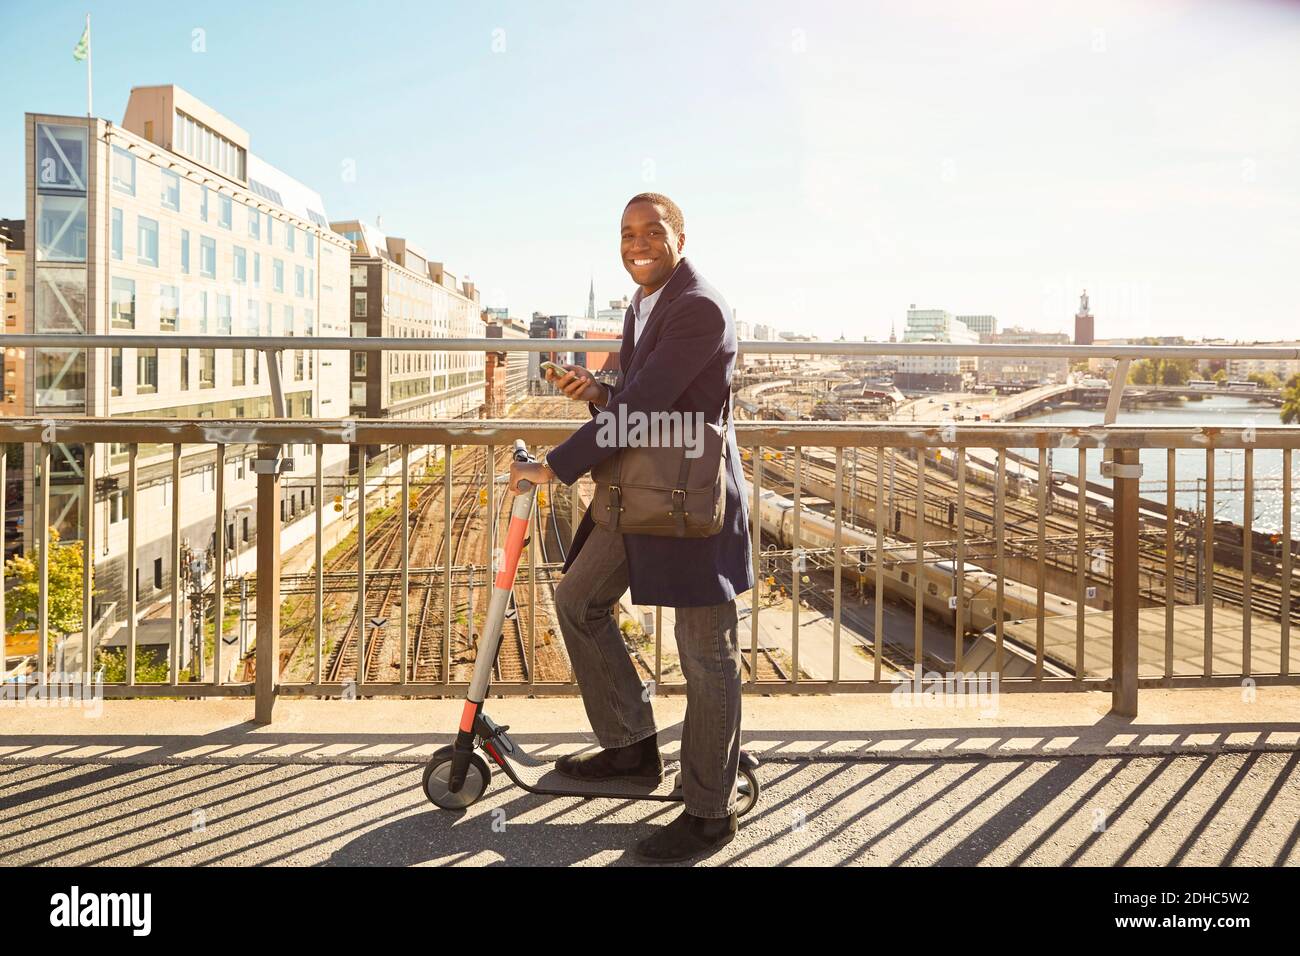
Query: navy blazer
<point x="683" y="363"/>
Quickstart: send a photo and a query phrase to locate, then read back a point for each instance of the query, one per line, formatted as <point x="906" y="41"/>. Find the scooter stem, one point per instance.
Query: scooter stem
<point x="503" y="584"/>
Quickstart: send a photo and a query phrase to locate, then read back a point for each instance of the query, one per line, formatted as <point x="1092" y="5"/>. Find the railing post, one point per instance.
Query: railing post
<point x="268" y="579"/>
<point x="1125" y="472"/>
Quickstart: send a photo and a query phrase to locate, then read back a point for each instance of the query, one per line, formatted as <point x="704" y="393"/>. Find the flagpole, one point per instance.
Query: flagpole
<point x="90" y="95"/>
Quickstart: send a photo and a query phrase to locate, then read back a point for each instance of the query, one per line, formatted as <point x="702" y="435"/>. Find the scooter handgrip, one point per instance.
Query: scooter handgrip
<point x="524" y="486"/>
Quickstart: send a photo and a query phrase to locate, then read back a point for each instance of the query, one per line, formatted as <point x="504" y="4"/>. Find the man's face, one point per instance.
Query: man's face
<point x="650" y="248"/>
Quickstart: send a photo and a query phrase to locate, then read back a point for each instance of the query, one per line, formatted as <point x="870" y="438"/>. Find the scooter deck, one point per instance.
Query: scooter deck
<point x="541" y="775"/>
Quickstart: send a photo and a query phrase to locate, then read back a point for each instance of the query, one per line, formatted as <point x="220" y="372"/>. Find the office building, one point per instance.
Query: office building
<point x="170" y="224"/>
<point x="1239" y="370"/>
<point x="506" y="373"/>
<point x="398" y="292"/>
<point x="13" y="290"/>
<point x="1026" y="369"/>
<point x="985" y="326"/>
<point x="935" y="372"/>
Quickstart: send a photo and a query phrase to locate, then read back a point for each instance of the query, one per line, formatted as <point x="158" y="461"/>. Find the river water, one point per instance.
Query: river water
<point x="1189" y="464"/>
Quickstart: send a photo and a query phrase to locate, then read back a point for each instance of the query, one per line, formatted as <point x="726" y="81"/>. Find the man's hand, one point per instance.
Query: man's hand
<point x="533" y="471"/>
<point x="578" y="384"/>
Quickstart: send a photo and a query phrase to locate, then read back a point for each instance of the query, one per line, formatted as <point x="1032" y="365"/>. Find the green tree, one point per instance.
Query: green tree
<point x="1142" y="372"/>
<point x="64" y="599"/>
<point x="150" y="666"/>
<point x="1266" y="379"/>
<point x="1291" y="402"/>
<point x="1160" y="372"/>
<point x="1221" y="375"/>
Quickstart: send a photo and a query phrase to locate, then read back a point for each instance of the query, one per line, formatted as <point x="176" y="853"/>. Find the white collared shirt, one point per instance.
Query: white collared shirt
<point x="643" y="306"/>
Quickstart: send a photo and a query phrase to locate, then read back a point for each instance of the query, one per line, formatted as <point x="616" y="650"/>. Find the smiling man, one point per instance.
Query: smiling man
<point x="677" y="355"/>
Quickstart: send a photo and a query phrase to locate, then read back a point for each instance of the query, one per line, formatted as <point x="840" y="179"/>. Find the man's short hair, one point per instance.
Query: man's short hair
<point x="672" y="212"/>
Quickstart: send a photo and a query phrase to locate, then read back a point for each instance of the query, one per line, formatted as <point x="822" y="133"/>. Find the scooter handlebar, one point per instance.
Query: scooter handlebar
<point x="521" y="451"/>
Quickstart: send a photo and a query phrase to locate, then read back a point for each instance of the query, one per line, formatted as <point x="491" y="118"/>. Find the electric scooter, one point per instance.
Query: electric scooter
<point x="456" y="776"/>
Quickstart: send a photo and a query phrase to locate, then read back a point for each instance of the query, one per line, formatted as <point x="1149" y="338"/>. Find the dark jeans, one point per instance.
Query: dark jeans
<point x="617" y="701"/>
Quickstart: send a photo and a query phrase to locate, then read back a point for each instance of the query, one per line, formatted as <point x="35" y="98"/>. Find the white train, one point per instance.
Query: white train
<point x="776" y="516"/>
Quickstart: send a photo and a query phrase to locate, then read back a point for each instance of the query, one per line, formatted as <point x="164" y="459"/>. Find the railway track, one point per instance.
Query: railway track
<point x="383" y="598"/>
<point x="1018" y="514"/>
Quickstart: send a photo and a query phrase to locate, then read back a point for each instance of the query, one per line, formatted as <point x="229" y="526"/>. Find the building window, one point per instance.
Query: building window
<point x="123" y="303"/>
<point x="146" y="250"/>
<point x="225" y="206"/>
<point x="146" y="370"/>
<point x="60" y="158"/>
<point x="207" y="257"/>
<point x="123" y="171"/>
<point x="224" y="323"/>
<point x="257" y="269"/>
<point x="277" y="282"/>
<point x="60" y="228"/>
<point x="241" y="265"/>
<point x="208" y="147"/>
<point x="254" y="224"/>
<point x="169" y="307"/>
<point x="308" y="322"/>
<point x="358" y="275"/>
<point x="359" y="304"/>
<point x="185" y="251"/>
<point x="359" y="363"/>
<point x="238" y="367"/>
<point x="270" y="226"/>
<point x="207" y="368"/>
<point x="299" y="281"/>
<point x="115" y="372"/>
<point x="203" y="205"/>
<point x="270" y="319"/>
<point x="289" y="232"/>
<point x="157" y="574"/>
<point x="117" y="507"/>
<point x="250" y="317"/>
<point x="171" y="190"/>
<point x="288" y="320"/>
<point x="311" y="243"/>
<point x="185" y="370"/>
<point x="203" y="313"/>
<point x="117" y="234"/>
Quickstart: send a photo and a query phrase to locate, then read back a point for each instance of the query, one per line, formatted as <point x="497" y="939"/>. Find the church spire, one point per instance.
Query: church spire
<point x="591" y="300"/>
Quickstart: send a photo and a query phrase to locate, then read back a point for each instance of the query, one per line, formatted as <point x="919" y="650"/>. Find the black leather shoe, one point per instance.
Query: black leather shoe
<point x="639" y="762"/>
<point x="688" y="836"/>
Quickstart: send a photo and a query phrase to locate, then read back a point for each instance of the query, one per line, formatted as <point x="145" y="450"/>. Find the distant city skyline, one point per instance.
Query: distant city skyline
<point x="835" y="164"/>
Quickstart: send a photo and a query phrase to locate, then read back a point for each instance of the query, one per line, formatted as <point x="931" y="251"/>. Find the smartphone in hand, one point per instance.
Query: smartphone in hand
<point x="559" y="370"/>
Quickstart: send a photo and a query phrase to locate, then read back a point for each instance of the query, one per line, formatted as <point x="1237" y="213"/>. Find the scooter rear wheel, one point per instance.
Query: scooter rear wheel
<point x="437" y="774"/>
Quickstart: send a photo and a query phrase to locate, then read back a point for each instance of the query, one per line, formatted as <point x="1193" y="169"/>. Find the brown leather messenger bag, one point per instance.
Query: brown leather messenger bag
<point x="660" y="491"/>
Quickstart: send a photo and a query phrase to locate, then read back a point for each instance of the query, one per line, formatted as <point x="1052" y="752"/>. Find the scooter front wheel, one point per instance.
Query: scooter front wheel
<point x="747" y="790"/>
<point x="437" y="775"/>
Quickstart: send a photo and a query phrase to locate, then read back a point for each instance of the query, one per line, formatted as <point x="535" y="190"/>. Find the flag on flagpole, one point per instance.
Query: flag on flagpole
<point x="82" y="49"/>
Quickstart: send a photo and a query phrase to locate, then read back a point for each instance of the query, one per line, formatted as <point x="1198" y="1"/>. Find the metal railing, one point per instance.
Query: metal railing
<point x="1066" y="576"/>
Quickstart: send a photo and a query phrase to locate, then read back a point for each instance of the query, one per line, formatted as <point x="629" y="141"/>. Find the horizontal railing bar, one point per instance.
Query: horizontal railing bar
<point x="888" y="685"/>
<point x="749" y="433"/>
<point x="434" y="344"/>
<point x="426" y="688"/>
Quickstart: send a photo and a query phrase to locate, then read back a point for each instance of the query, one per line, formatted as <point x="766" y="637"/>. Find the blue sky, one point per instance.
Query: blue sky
<point x="836" y="162"/>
